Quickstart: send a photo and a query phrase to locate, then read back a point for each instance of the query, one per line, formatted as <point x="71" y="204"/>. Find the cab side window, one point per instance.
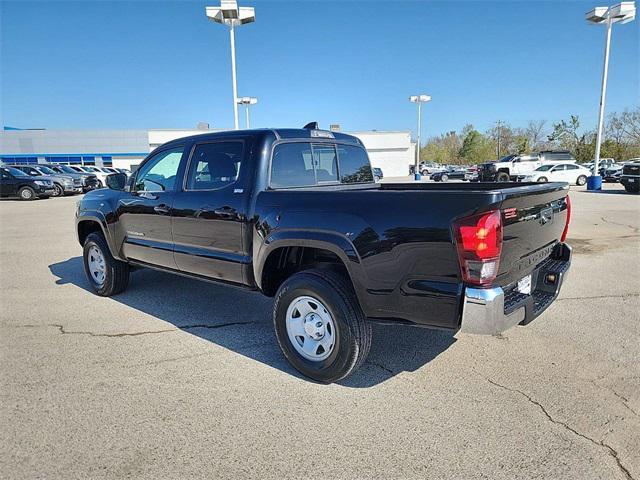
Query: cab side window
<point x="159" y="173"/>
<point x="214" y="165"/>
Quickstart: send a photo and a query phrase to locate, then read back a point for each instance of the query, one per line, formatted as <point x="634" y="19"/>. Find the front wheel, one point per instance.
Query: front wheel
<point x="107" y="275"/>
<point x="27" y="193"/>
<point x="58" y="191"/>
<point x="582" y="179"/>
<point x="444" y="177"/>
<point x="320" y="326"/>
<point x="543" y="179"/>
<point x="502" y="177"/>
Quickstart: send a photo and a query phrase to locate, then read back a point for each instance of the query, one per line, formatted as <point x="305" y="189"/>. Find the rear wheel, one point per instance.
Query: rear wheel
<point x="26" y="193"/>
<point x="543" y="179"/>
<point x="444" y="177"/>
<point x="320" y="326"/>
<point x="425" y="172"/>
<point x="502" y="177"/>
<point x="582" y="179"/>
<point x="107" y="275"/>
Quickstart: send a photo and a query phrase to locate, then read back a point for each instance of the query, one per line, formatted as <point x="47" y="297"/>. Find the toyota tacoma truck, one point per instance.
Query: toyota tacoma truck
<point x="296" y="215"/>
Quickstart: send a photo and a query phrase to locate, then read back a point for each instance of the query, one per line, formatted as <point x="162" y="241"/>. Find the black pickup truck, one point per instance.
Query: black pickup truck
<point x="296" y="214"/>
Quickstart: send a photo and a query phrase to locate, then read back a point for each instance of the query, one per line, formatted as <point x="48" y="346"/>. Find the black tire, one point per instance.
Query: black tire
<point x="27" y="193"/>
<point x="58" y="191"/>
<point x="444" y="177"/>
<point x="116" y="272"/>
<point x="353" y="331"/>
<point x="424" y="172"/>
<point x="543" y="179"/>
<point x="502" y="177"/>
<point x="582" y="179"/>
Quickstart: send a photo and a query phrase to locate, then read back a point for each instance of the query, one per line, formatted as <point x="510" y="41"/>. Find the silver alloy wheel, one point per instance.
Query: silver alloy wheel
<point x="96" y="263"/>
<point x="58" y="191"/>
<point x="310" y="328"/>
<point x="26" y="193"/>
<point x="444" y="177"/>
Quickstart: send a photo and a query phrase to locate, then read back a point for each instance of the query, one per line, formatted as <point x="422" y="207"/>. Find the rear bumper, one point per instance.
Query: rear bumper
<point x="489" y="311"/>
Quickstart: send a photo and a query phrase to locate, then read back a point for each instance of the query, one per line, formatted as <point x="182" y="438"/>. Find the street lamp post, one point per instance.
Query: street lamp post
<point x="246" y="101"/>
<point x="622" y="13"/>
<point x="419" y="99"/>
<point x="231" y="15"/>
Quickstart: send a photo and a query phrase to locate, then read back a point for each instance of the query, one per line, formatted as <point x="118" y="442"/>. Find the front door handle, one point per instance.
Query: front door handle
<point x="162" y="209"/>
<point x="225" y="212"/>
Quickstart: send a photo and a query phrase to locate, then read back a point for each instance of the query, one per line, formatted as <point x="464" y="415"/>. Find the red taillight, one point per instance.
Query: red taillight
<point x="566" y="225"/>
<point x="479" y="243"/>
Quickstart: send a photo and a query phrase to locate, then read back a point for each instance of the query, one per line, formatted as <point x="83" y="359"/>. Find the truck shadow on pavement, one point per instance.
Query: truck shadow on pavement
<point x="240" y="321"/>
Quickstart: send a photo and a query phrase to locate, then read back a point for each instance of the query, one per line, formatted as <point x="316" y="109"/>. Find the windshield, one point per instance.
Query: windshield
<point x="544" y="168"/>
<point x="46" y="170"/>
<point x="15" y="172"/>
<point x="507" y="158"/>
<point x="66" y="169"/>
<point x="90" y="169"/>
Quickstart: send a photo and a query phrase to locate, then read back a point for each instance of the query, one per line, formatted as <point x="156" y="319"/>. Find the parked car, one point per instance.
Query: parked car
<point x="630" y="177"/>
<point x="510" y="167"/>
<point x="471" y="175"/>
<point x="16" y="183"/>
<point x="559" y="172"/>
<point x="603" y="165"/>
<point x="451" y="173"/>
<point x="377" y="174"/>
<point x="63" y="184"/>
<point x="89" y="181"/>
<point x="335" y="249"/>
<point x="100" y="175"/>
<point x="613" y="173"/>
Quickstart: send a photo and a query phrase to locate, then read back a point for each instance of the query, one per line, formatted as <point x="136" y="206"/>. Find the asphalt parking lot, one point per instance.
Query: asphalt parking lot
<point x="177" y="379"/>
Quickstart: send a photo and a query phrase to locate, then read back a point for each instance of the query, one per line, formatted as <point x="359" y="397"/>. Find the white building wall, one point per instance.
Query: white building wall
<point x="392" y="152"/>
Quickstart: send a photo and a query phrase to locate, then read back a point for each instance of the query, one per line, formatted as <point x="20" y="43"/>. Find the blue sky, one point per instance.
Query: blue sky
<point x="164" y="65"/>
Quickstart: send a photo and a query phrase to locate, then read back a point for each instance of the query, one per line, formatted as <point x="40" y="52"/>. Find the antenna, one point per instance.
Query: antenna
<point x="311" y="126"/>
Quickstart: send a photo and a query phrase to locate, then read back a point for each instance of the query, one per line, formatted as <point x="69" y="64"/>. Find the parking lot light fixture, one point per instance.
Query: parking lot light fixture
<point x="621" y="13"/>
<point x="419" y="99"/>
<point x="228" y="13"/>
<point x="247" y="101"/>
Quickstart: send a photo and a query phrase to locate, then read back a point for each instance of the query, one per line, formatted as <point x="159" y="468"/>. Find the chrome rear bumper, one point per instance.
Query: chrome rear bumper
<point x="484" y="311"/>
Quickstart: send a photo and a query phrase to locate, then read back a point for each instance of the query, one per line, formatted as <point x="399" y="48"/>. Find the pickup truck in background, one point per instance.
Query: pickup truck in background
<point x="296" y="215"/>
<point x="510" y="167"/>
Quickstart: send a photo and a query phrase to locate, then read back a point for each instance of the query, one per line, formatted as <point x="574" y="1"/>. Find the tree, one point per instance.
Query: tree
<point x="567" y="135"/>
<point x="476" y="148"/>
<point x="535" y="131"/>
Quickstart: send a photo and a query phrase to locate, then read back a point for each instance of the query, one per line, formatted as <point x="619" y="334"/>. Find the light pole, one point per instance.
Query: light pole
<point x="246" y="101"/>
<point x="419" y="99"/>
<point x="622" y="13"/>
<point x="231" y="15"/>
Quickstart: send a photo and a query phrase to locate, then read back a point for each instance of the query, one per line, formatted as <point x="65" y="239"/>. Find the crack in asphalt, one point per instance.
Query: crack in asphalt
<point x="610" y="450"/>
<point x="64" y="331"/>
<point x="380" y="366"/>
<point x="624" y="400"/>
<point x="633" y="229"/>
<point x="595" y="297"/>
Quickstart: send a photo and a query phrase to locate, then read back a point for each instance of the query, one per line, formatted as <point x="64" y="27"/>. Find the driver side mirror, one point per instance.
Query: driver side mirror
<point x="116" y="181"/>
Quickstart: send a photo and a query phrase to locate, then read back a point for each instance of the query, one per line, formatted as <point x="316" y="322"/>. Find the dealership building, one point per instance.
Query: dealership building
<point x="391" y="151"/>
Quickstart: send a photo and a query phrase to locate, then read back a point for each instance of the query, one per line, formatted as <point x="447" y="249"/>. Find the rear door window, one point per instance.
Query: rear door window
<point x="214" y="165"/>
<point x="292" y="165"/>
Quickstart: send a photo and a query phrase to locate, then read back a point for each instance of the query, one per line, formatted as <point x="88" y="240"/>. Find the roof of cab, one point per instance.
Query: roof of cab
<point x="284" y="133"/>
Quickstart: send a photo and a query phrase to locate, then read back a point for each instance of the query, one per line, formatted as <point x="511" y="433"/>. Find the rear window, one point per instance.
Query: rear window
<point x="304" y="164"/>
<point x="354" y="165"/>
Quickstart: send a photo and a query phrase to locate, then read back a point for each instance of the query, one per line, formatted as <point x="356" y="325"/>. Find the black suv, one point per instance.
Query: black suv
<point x="16" y="183"/>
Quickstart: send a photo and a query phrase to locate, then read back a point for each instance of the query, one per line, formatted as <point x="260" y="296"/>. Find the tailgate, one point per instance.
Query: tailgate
<point x="534" y="218"/>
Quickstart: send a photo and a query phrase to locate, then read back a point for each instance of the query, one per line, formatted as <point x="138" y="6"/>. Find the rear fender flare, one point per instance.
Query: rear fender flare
<point x="338" y="244"/>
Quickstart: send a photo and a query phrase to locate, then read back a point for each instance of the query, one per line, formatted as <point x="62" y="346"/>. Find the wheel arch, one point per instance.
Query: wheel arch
<point x="286" y="253"/>
<point x="91" y="222"/>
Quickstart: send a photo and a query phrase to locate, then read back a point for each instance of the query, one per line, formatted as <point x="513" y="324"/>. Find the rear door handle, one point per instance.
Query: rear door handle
<point x="162" y="209"/>
<point x="225" y="212"/>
